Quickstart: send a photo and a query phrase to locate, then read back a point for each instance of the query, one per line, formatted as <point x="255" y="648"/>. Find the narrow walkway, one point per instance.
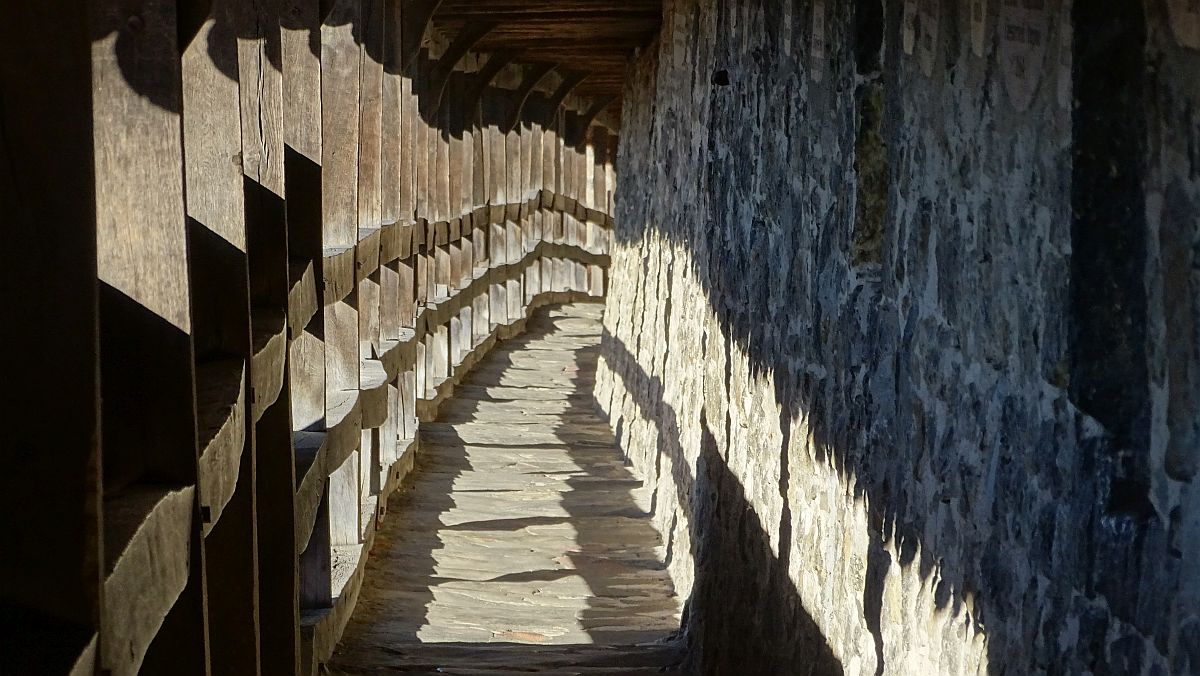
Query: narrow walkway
<point x="521" y="543"/>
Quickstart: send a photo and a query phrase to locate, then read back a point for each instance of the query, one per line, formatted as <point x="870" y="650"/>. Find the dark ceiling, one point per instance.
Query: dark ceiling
<point x="592" y="37"/>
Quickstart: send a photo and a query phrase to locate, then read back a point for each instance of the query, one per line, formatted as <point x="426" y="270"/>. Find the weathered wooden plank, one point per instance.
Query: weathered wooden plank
<point x="344" y="514"/>
<point x="148" y="435"/>
<point x="141" y="244"/>
<point x="340" y="101"/>
<point x="300" y="43"/>
<point x="421" y="157"/>
<point x="212" y="134"/>
<point x="389" y="301"/>
<point x="372" y="29"/>
<point x="260" y="85"/>
<point x="316" y="565"/>
<point x="278" y="572"/>
<point x="260" y="82"/>
<point x="231" y="562"/>
<point x="408" y="143"/>
<point x="441" y="149"/>
<point x="454" y="134"/>
<point x="369" y="316"/>
<point x="213" y="156"/>
<point x="391" y="118"/>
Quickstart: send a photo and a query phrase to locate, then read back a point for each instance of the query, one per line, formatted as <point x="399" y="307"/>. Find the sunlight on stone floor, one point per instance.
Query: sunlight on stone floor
<point x="521" y="523"/>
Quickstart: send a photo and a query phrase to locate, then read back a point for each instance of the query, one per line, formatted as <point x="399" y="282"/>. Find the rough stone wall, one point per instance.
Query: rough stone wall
<point x="903" y="326"/>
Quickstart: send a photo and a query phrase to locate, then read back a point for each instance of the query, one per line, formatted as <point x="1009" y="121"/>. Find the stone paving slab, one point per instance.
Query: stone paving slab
<point x="522" y="543"/>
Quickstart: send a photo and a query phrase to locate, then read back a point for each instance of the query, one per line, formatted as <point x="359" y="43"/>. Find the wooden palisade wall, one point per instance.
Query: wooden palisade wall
<point x="262" y="241"/>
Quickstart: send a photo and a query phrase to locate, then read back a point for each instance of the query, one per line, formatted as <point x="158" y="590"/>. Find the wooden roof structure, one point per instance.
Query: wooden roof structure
<point x="593" y="38"/>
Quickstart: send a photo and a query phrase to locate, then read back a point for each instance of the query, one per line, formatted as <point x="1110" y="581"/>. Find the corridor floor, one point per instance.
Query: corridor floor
<point x="521" y="543"/>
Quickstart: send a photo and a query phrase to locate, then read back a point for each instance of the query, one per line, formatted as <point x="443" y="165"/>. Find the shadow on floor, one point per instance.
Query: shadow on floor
<point x="521" y="542"/>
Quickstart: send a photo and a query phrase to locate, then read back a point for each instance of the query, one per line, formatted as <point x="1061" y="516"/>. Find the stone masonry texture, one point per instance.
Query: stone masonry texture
<point x="902" y="329"/>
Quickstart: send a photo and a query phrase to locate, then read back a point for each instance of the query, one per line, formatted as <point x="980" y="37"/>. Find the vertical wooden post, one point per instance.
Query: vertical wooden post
<point x="149" y="434"/>
<point x="50" y="363"/>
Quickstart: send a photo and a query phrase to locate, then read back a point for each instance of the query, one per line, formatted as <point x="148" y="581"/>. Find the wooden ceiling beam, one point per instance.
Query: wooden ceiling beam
<point x="533" y="75"/>
<point x="467" y="38"/>
<point x="590" y="39"/>
<point x="416" y="16"/>
<point x="495" y="63"/>
<point x="568" y="85"/>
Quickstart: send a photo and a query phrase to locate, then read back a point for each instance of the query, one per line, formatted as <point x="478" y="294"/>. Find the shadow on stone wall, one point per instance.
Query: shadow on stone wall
<point x="927" y="354"/>
<point x="744" y="612"/>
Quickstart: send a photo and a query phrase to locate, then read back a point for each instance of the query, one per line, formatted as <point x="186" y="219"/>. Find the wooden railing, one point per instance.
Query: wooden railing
<point x="288" y="239"/>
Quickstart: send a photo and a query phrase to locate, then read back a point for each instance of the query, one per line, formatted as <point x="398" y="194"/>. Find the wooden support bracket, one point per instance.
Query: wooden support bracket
<point x="471" y="34"/>
<point x="569" y="83"/>
<point x="533" y="75"/>
<point x="415" y="15"/>
<point x="496" y="62"/>
<point x="578" y="135"/>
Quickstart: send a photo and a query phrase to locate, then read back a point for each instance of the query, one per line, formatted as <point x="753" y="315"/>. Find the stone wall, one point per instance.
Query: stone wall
<point x="903" y="325"/>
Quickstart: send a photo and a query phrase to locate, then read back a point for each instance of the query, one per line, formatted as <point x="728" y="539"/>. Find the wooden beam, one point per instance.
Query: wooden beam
<point x="496" y="62"/>
<point x="415" y="18"/>
<point x="467" y="38"/>
<point x="584" y="121"/>
<point x="569" y="83"/>
<point x="533" y="75"/>
<point x="51" y="565"/>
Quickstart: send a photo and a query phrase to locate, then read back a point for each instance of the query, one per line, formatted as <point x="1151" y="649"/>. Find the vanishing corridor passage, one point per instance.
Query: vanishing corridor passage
<point x="521" y="541"/>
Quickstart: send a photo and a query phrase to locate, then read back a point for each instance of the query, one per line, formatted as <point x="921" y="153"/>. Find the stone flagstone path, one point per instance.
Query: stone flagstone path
<point x="521" y="543"/>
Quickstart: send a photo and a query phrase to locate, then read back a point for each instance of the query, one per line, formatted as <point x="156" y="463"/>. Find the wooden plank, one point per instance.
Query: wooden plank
<point x="232" y="564"/>
<point x="341" y="348"/>
<point x="421" y="166"/>
<point x="301" y="55"/>
<point x="213" y="156"/>
<point x="316" y="565"/>
<point x="260" y="86"/>
<point x="260" y="82"/>
<point x="306" y="367"/>
<point x="454" y="131"/>
<point x="145" y="327"/>
<point x="370" y="143"/>
<point x="141" y="244"/>
<point x="389" y="301"/>
<point x="278" y="572"/>
<point x="441" y="149"/>
<point x="344" y="513"/>
<point x="340" y="86"/>
<point x="408" y="142"/>
<point x="46" y="153"/>
<point x="391" y="117"/>
<point x="598" y="199"/>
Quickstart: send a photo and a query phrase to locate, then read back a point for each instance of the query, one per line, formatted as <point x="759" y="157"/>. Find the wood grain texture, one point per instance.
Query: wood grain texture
<point x="260" y="82"/>
<point x="372" y="30"/>
<point x="212" y="128"/>
<point x="300" y="42"/>
<point x="593" y="36"/>
<point x="140" y="239"/>
<point x="340" y="115"/>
